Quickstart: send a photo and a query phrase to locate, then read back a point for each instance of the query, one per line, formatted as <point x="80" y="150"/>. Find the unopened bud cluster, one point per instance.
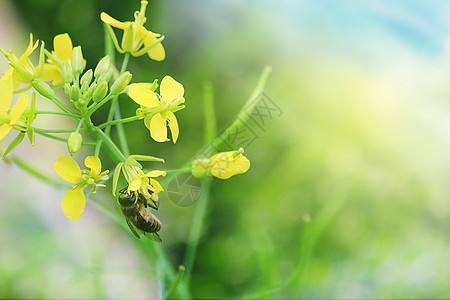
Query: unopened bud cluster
<point x="93" y="85"/>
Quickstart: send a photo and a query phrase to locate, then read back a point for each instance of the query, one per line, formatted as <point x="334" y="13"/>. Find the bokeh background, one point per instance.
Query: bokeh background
<point x="358" y="160"/>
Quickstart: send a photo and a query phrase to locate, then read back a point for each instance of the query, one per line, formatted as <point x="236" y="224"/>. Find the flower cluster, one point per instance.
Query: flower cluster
<point x="87" y="91"/>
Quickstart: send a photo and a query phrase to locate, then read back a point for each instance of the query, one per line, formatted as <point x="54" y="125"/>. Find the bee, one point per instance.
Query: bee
<point x="137" y="217"/>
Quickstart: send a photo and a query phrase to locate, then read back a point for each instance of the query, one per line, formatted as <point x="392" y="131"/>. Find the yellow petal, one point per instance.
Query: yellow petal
<point x="140" y="34"/>
<point x="135" y="184"/>
<point x="173" y="125"/>
<point x="155" y="184"/>
<point x="171" y="89"/>
<point x="157" y="52"/>
<point x="222" y="156"/>
<point x="29" y="49"/>
<point x="51" y="72"/>
<point x="19" y="108"/>
<point x="67" y="169"/>
<point x="93" y="163"/>
<point x="4" y="130"/>
<point x="62" y="44"/>
<point x="241" y="164"/>
<point x="73" y="203"/>
<point x="6" y="90"/>
<point x="158" y="129"/>
<point x="113" y="22"/>
<point x="155" y="173"/>
<point x="141" y="94"/>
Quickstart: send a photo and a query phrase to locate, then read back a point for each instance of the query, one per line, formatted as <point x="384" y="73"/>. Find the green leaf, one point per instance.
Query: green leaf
<point x="146" y="158"/>
<point x="14" y="143"/>
<point x="30" y="133"/>
<point x="116" y="177"/>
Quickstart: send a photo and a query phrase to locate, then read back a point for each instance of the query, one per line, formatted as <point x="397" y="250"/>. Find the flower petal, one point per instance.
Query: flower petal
<point x="173" y="125"/>
<point x="4" y="130"/>
<point x="93" y="163"/>
<point x="62" y="44"/>
<point x="19" y="108"/>
<point x="171" y="89"/>
<point x="157" y="52"/>
<point x="241" y="164"/>
<point x="158" y="129"/>
<point x="155" y="184"/>
<point x="67" y="169"/>
<point x="73" y="203"/>
<point x="155" y="173"/>
<point x="6" y="91"/>
<point x="141" y="94"/>
<point x="135" y="184"/>
<point x="113" y="22"/>
<point x="29" y="49"/>
<point x="51" y="72"/>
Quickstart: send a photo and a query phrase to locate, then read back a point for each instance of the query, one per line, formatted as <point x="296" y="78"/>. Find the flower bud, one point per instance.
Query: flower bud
<point x="100" y="92"/>
<point x="200" y="168"/>
<point x="121" y="83"/>
<point x="66" y="72"/>
<point x="77" y="60"/>
<point x="74" y="93"/>
<point x="90" y="91"/>
<point x="67" y="88"/>
<point x="84" y="87"/>
<point x="43" y="88"/>
<point x="87" y="77"/>
<point x="74" y="142"/>
<point x="102" y="66"/>
<point x="154" y="85"/>
<point x="106" y="76"/>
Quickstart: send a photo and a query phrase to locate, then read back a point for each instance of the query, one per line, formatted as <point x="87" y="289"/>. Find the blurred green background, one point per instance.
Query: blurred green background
<point x="347" y="195"/>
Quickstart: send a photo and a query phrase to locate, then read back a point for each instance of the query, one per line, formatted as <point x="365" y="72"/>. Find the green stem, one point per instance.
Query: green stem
<point x="77" y="117"/>
<point x="79" y="125"/>
<point x="114" y="110"/>
<point x="120" y="121"/>
<point x="42" y="130"/>
<point x="210" y="115"/>
<point x="19" y="91"/>
<point x="179" y="171"/>
<point x="57" y="138"/>
<point x="196" y="229"/>
<point x="312" y="232"/>
<point x="202" y="206"/>
<point x="121" y="132"/>
<point x="173" y="289"/>
<point x="243" y="115"/>
<point x="115" y="150"/>
<point x="94" y="107"/>
<point x="35" y="172"/>
<point x="63" y="106"/>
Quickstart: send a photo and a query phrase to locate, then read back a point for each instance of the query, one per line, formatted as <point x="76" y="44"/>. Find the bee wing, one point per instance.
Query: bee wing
<point x="153" y="236"/>
<point x="133" y="229"/>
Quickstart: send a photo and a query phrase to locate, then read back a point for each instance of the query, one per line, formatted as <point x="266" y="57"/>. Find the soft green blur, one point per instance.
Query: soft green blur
<point x="347" y="194"/>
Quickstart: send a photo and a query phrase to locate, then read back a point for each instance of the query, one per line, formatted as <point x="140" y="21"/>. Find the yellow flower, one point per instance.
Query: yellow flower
<point x="158" y="110"/>
<point x="11" y="118"/>
<point x="138" y="181"/>
<point x="136" y="38"/>
<point x="223" y="165"/>
<point x="24" y="70"/>
<point x="74" y="200"/>
<point x="63" y="48"/>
